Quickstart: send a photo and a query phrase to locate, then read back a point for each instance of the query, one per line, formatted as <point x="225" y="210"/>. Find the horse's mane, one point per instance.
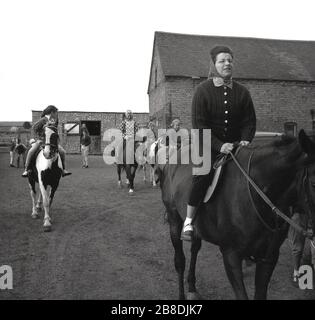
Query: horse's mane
<point x="283" y="147"/>
<point x="284" y="141"/>
<point x="274" y="143"/>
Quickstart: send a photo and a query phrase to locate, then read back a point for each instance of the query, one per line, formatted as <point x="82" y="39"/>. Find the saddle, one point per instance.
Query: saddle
<point x="220" y="161"/>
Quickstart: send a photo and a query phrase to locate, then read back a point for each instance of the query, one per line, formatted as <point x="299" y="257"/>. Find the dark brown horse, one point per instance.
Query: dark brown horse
<point x="129" y="166"/>
<point x="239" y="225"/>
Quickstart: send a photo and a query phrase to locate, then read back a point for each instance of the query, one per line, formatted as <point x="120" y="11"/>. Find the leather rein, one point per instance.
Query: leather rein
<point x="274" y="209"/>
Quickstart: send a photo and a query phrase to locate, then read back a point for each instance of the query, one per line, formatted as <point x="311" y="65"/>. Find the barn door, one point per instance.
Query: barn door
<point x="94" y="129"/>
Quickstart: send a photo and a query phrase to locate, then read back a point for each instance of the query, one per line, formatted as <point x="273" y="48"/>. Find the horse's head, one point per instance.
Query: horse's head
<point x="306" y="178"/>
<point x="51" y="142"/>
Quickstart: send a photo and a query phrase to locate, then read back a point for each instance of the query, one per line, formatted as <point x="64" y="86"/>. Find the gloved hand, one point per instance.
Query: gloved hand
<point x="244" y="143"/>
<point x="226" y="148"/>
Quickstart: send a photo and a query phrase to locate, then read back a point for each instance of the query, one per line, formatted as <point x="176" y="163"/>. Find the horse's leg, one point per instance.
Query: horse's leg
<point x="152" y="176"/>
<point x="264" y="270"/>
<point x="176" y="225"/>
<point x="39" y="204"/>
<point x="144" y="173"/>
<point x="45" y="195"/>
<point x="51" y="198"/>
<point x="52" y="194"/>
<point x="192" y="292"/>
<point x="130" y="172"/>
<point x="33" y="196"/>
<point x="119" y="175"/>
<point x="233" y="268"/>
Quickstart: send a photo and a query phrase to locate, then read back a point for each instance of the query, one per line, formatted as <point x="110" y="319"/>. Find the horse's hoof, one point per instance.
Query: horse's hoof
<point x="193" y="296"/>
<point x="119" y="185"/>
<point x="35" y="215"/>
<point x="47" y="228"/>
<point x="131" y="191"/>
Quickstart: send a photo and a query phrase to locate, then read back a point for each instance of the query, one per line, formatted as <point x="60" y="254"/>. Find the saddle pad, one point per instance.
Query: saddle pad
<point x="213" y="184"/>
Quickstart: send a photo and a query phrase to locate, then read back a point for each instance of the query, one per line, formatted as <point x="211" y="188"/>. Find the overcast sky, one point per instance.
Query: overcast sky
<point x="94" y="55"/>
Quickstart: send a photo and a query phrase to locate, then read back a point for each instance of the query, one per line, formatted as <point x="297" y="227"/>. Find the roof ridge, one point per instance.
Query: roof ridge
<point x="230" y="37"/>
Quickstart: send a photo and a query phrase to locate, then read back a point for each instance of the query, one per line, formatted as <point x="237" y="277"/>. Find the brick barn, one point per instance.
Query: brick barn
<point x="97" y="123"/>
<point x="280" y="75"/>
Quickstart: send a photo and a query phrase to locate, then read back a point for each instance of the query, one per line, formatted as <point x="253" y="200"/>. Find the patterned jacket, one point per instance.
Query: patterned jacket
<point x="229" y="113"/>
<point x="128" y="128"/>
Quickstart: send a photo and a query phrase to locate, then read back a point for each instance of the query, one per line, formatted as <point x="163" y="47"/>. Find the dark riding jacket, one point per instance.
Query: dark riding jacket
<point x="229" y="113"/>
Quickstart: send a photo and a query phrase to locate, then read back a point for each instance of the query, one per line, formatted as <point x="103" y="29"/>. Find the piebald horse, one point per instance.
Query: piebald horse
<point x="46" y="171"/>
<point x="236" y="218"/>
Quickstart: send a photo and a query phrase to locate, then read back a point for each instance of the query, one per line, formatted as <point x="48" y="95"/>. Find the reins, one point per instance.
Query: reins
<point x="252" y="200"/>
<point x="267" y="201"/>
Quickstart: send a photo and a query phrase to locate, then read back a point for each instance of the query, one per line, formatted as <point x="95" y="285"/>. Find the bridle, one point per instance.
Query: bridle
<point x="52" y="145"/>
<point x="274" y="209"/>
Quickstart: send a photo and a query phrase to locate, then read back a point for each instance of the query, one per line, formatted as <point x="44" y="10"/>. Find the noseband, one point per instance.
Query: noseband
<point x="52" y="145"/>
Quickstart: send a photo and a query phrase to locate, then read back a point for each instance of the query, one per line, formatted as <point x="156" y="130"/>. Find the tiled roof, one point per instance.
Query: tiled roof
<point x="188" y="55"/>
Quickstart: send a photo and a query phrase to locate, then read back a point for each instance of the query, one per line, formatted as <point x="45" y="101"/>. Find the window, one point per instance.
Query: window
<point x="71" y="128"/>
<point x="290" y="128"/>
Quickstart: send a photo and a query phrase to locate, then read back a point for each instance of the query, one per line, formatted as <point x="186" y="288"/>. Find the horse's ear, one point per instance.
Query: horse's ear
<point x="308" y="146"/>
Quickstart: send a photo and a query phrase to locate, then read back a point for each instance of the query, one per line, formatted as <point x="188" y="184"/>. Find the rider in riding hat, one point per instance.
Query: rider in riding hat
<point x="225" y="107"/>
<point x="48" y="117"/>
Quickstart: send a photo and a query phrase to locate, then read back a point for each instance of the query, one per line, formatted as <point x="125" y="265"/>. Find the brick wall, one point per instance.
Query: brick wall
<point x="276" y="102"/>
<point x="109" y="120"/>
<point x="6" y="136"/>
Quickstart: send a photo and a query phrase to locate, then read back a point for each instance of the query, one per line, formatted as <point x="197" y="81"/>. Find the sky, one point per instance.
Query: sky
<point x="95" y="55"/>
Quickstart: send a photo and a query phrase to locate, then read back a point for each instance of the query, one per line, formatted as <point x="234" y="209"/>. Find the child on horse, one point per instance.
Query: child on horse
<point x="48" y="117"/>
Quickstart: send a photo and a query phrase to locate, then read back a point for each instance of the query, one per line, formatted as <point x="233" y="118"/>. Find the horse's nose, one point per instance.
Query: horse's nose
<point x="46" y="152"/>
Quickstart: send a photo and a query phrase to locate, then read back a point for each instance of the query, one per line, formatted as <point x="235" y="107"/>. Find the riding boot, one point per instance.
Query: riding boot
<point x="188" y="229"/>
<point x="25" y="173"/>
<point x="29" y="158"/>
<point x="62" y="157"/>
<point x="187" y="232"/>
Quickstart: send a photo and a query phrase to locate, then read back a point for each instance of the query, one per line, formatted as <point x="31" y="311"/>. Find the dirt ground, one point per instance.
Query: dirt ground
<point x="106" y="244"/>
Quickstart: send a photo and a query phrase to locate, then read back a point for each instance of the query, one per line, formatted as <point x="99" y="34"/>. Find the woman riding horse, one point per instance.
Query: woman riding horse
<point x="239" y="218"/>
<point x="48" y="116"/>
<point x="224" y="106"/>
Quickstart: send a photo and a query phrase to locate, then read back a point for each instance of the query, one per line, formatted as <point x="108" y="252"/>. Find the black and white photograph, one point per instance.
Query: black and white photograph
<point x="157" y="151"/>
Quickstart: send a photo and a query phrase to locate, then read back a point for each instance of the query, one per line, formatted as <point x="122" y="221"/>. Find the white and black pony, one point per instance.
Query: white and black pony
<point x="46" y="171"/>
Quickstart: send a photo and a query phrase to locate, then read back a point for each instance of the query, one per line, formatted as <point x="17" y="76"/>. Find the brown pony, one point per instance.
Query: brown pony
<point x="236" y="218"/>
